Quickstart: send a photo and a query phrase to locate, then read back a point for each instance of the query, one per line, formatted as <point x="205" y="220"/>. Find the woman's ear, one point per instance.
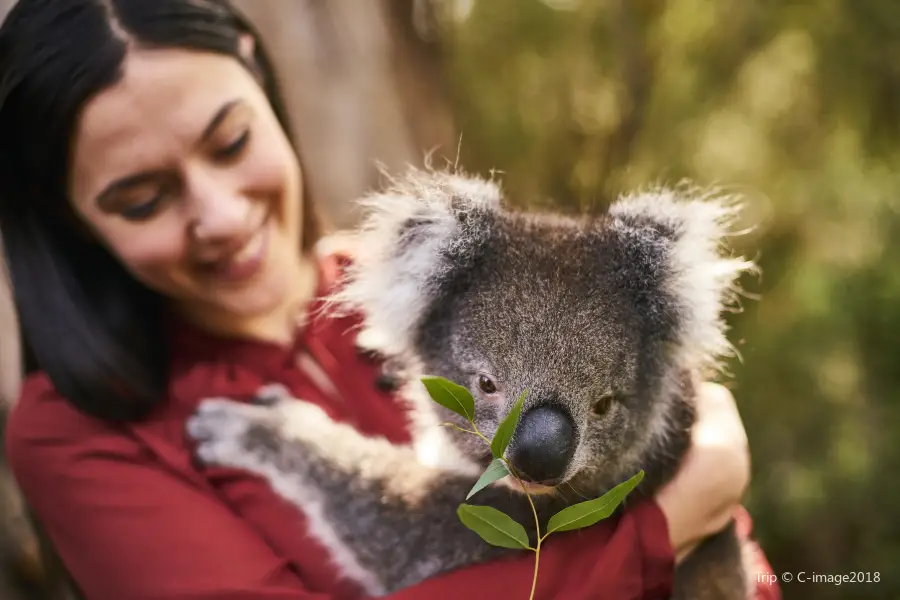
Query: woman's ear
<point x="247" y="53"/>
<point x="247" y="48"/>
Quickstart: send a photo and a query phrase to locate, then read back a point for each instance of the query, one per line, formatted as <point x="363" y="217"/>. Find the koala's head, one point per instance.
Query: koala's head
<point x="602" y="320"/>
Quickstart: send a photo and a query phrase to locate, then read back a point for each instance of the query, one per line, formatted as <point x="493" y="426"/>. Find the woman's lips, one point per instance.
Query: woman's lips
<point x="246" y="262"/>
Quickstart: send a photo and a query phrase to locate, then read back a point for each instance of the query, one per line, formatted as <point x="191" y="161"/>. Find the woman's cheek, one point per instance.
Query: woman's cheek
<point x="272" y="173"/>
<point x="154" y="255"/>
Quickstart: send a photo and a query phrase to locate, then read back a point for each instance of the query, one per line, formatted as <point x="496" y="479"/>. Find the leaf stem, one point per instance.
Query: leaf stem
<point x="473" y="431"/>
<point x="537" y="523"/>
<point x="481" y="435"/>
<point x="458" y="428"/>
<point x="537" y="526"/>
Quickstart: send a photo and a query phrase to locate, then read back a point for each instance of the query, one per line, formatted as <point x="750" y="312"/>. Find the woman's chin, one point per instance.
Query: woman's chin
<point x="266" y="305"/>
<point x="242" y="312"/>
<point x="254" y="304"/>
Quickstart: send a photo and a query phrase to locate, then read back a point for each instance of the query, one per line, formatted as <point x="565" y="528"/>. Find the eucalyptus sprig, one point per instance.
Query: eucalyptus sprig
<point x="494" y="526"/>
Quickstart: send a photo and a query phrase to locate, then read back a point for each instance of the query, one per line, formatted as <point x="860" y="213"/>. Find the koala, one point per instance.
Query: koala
<point x="607" y="321"/>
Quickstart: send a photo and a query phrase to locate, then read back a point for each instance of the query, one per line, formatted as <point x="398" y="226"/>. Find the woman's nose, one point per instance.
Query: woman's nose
<point x="218" y="213"/>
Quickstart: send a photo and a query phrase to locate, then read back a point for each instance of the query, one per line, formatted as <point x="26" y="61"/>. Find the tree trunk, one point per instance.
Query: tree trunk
<point x="362" y="90"/>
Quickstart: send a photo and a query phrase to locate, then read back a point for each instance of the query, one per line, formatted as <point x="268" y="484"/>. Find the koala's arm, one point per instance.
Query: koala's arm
<point x="363" y="495"/>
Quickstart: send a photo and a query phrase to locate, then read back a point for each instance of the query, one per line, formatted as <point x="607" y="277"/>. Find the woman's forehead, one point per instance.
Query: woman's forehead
<point x="158" y="109"/>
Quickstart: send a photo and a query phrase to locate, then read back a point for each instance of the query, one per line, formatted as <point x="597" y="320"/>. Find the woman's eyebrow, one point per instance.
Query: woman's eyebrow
<point x="105" y="198"/>
<point x="218" y="118"/>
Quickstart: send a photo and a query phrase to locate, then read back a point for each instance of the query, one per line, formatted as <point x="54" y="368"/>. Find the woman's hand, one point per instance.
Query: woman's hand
<point x="710" y="484"/>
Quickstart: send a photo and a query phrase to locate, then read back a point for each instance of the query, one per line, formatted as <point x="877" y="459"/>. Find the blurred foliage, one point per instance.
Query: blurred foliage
<point x="797" y="106"/>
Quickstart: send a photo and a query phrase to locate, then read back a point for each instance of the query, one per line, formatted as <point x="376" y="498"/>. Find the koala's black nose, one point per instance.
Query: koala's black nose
<point x="543" y="445"/>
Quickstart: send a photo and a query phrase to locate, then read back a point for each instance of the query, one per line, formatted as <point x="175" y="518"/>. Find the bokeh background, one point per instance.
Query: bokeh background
<point x="796" y="105"/>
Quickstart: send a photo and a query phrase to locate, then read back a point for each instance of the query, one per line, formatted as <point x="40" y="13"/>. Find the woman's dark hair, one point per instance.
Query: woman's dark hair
<point x="95" y="331"/>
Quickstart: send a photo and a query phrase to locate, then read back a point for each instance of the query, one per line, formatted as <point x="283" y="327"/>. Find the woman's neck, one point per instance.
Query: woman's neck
<point x="277" y="325"/>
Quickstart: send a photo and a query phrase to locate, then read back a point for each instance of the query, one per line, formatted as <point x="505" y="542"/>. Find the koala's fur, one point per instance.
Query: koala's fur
<point x="619" y="312"/>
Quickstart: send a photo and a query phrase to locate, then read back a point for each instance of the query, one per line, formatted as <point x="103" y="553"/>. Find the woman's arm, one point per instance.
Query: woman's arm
<point x="123" y="525"/>
<point x="706" y="494"/>
<point x="710" y="484"/>
<point x="126" y="527"/>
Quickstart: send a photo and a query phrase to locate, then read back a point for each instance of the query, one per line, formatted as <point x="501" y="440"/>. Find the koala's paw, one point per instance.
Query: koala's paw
<point x="235" y="434"/>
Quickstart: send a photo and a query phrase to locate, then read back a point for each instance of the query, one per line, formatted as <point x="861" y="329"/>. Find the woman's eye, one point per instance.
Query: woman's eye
<point x="486" y="385"/>
<point x="142" y="212"/>
<point x="234" y="148"/>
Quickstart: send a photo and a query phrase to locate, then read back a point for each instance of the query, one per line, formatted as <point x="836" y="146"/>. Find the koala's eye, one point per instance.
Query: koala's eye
<point x="486" y="385"/>
<point x="604" y="403"/>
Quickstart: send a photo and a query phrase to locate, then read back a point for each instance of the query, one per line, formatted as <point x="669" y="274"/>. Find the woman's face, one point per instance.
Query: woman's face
<point x="183" y="171"/>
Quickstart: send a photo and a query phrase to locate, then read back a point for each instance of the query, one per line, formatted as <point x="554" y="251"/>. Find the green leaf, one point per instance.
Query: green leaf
<point x="506" y="429"/>
<point x="585" y="514"/>
<point x="450" y="395"/>
<point x="494" y="527"/>
<point x="496" y="470"/>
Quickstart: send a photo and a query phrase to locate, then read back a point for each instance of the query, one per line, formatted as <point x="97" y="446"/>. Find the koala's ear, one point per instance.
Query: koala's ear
<point x="412" y="236"/>
<point x="679" y="241"/>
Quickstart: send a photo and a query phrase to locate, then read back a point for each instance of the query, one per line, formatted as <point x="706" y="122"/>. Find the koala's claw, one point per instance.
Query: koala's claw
<point x="271" y="394"/>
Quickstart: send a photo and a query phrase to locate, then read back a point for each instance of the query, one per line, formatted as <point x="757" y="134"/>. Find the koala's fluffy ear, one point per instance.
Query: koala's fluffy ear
<point x="413" y="234"/>
<point x="683" y="235"/>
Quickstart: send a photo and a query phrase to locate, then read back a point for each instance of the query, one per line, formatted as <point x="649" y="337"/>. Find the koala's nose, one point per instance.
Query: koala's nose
<point x="543" y="445"/>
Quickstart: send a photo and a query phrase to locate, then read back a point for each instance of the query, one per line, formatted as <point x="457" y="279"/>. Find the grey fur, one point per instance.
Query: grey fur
<point x="620" y="311"/>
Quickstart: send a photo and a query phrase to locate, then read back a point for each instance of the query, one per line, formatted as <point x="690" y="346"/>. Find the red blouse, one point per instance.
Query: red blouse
<point x="132" y="518"/>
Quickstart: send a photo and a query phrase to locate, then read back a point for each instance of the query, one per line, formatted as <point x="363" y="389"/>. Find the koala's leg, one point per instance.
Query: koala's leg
<point x="390" y="521"/>
<point x="718" y="569"/>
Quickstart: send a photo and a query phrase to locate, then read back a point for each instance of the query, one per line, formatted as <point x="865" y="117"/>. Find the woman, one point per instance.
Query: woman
<point x="162" y="250"/>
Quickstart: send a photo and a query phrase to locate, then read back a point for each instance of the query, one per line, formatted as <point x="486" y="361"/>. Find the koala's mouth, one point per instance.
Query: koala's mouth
<point x="534" y="489"/>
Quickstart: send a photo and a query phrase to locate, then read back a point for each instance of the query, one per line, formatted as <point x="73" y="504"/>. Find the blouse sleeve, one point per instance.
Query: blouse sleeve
<point x="125" y="527"/>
